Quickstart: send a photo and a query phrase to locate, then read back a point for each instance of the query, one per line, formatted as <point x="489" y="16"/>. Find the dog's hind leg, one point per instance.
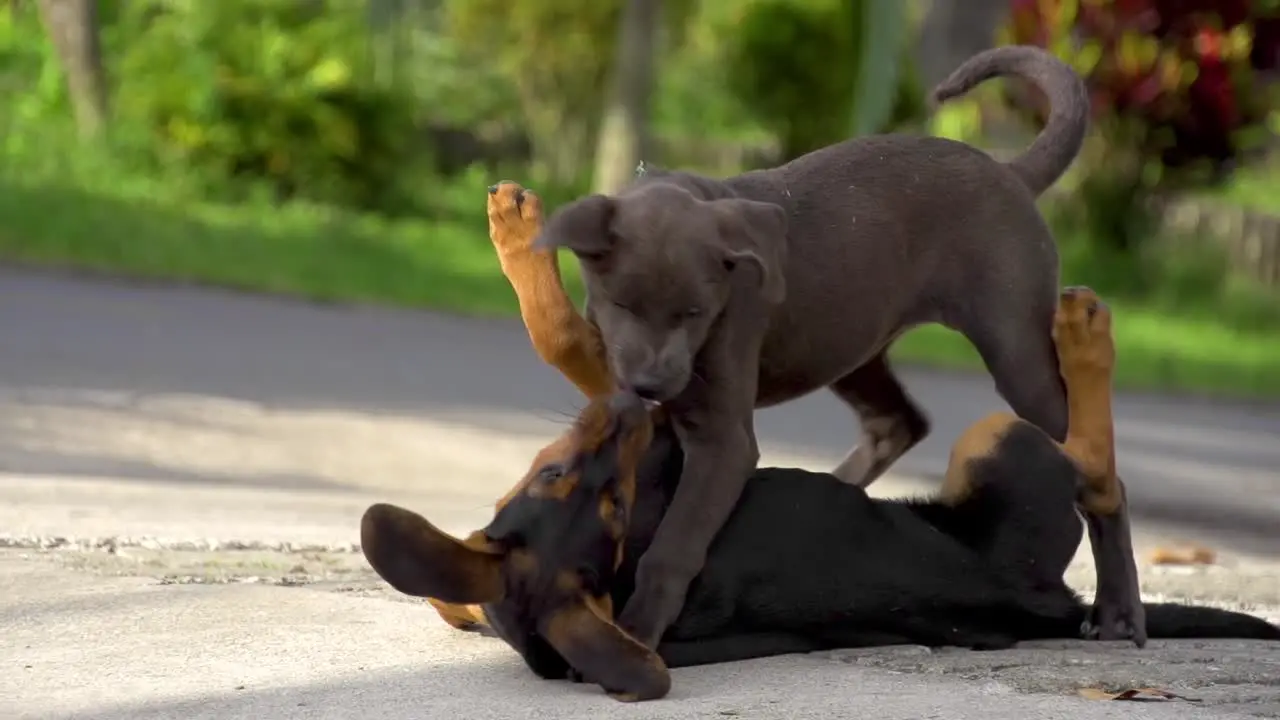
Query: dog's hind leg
<point x="891" y="421"/>
<point x="1086" y="354"/>
<point x="1020" y="352"/>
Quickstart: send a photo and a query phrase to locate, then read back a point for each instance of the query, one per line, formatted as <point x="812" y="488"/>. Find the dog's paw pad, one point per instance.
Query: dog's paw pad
<point x="1082" y="330"/>
<point x="515" y="214"/>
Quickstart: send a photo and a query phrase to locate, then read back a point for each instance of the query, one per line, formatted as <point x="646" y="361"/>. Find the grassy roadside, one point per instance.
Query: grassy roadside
<point x="448" y="264"/>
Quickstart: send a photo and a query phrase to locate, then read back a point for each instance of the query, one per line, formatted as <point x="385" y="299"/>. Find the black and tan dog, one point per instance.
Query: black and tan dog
<point x="980" y="566"/>
<point x="715" y="297"/>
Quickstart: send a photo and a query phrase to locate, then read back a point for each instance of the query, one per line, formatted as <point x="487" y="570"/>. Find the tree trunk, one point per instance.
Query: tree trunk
<point x="73" y="27"/>
<point x="624" y="133"/>
<point x="881" y="27"/>
<point x="953" y="32"/>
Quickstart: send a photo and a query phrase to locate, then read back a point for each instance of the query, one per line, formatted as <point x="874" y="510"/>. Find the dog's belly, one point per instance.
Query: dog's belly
<point x="791" y="368"/>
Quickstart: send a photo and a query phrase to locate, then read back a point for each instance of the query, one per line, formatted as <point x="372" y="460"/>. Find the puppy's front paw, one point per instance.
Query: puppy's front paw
<point x="652" y="607"/>
<point x="515" y="216"/>
<point x="1082" y="331"/>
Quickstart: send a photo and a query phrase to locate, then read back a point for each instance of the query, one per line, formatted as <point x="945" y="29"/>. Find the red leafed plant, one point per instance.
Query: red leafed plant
<point x="1178" y="75"/>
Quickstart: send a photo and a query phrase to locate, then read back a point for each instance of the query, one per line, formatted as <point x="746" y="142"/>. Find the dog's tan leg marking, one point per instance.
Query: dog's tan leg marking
<point x="1086" y="357"/>
<point x="559" y="334"/>
<point x="891" y="421"/>
<point x="977" y="442"/>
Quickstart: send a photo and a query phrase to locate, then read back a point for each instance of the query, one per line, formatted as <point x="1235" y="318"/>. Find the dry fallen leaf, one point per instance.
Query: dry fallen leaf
<point x="1183" y="555"/>
<point x="1148" y="694"/>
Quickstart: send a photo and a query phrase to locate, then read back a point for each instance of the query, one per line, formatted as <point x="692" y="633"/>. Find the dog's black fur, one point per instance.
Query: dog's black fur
<point x="791" y="573"/>
<point x="804" y="563"/>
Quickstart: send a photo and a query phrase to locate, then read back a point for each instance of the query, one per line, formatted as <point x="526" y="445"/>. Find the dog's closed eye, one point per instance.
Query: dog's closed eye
<point x="550" y="473"/>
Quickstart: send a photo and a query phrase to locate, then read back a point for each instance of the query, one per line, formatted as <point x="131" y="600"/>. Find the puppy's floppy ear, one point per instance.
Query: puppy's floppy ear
<point x="417" y="559"/>
<point x="595" y="646"/>
<point x="582" y="226"/>
<point x="756" y="233"/>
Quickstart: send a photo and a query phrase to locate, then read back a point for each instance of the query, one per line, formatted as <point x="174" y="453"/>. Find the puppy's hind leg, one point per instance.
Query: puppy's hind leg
<point x="891" y="421"/>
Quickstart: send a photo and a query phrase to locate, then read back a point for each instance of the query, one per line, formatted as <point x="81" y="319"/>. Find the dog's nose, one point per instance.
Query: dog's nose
<point x="493" y="189"/>
<point x="649" y="390"/>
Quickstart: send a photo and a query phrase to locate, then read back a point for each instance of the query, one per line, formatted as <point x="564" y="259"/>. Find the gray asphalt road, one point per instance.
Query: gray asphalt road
<point x="1208" y="467"/>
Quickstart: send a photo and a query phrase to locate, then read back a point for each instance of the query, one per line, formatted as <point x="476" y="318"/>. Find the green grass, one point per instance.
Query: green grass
<point x="448" y="264"/>
<point x="311" y="252"/>
<point x="1154" y="351"/>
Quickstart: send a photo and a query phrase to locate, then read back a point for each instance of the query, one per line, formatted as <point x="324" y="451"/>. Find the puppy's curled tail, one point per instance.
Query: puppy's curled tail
<point x="1063" y="135"/>
<point x="1173" y="620"/>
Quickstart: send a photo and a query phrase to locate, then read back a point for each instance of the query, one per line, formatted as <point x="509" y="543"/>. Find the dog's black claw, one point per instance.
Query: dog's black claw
<point x="493" y="189"/>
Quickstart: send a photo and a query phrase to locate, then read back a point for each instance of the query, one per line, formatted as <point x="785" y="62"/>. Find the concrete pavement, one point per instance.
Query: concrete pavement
<point x="127" y="649"/>
<point x="182" y="472"/>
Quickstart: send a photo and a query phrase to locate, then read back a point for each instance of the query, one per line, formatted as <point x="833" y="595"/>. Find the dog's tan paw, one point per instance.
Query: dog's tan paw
<point x="1082" y="331"/>
<point x="515" y="216"/>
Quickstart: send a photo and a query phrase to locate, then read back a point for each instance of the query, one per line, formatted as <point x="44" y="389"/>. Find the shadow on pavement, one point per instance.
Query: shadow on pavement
<point x="1205" y="465"/>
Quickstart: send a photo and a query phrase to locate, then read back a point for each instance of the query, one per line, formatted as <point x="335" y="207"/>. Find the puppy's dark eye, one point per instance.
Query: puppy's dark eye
<point x="692" y="312"/>
<point x="550" y="473"/>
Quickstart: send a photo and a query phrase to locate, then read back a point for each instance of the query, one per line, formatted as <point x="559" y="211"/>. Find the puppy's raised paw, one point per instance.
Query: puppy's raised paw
<point x="1082" y="331"/>
<point x="515" y="216"/>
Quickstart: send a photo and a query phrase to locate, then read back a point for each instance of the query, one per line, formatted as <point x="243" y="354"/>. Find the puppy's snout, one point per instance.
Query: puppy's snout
<point x="628" y="409"/>
<point x="648" y="388"/>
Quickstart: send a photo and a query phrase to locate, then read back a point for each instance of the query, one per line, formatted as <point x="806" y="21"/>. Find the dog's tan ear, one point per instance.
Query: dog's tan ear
<point x="756" y="233"/>
<point x="418" y="559"/>
<point x="587" y="638"/>
<point x="582" y="226"/>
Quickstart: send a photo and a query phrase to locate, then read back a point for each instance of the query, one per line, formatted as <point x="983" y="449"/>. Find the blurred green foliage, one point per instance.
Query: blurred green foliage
<point x="364" y="131"/>
<point x="1176" y="91"/>
<point x="795" y="67"/>
<point x="277" y="97"/>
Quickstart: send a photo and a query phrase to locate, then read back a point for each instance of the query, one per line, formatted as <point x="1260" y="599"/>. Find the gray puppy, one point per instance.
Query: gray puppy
<point x="715" y="297"/>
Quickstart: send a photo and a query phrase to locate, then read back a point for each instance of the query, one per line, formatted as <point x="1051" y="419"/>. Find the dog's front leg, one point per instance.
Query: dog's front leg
<point x="719" y="457"/>
<point x="714" y="421"/>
